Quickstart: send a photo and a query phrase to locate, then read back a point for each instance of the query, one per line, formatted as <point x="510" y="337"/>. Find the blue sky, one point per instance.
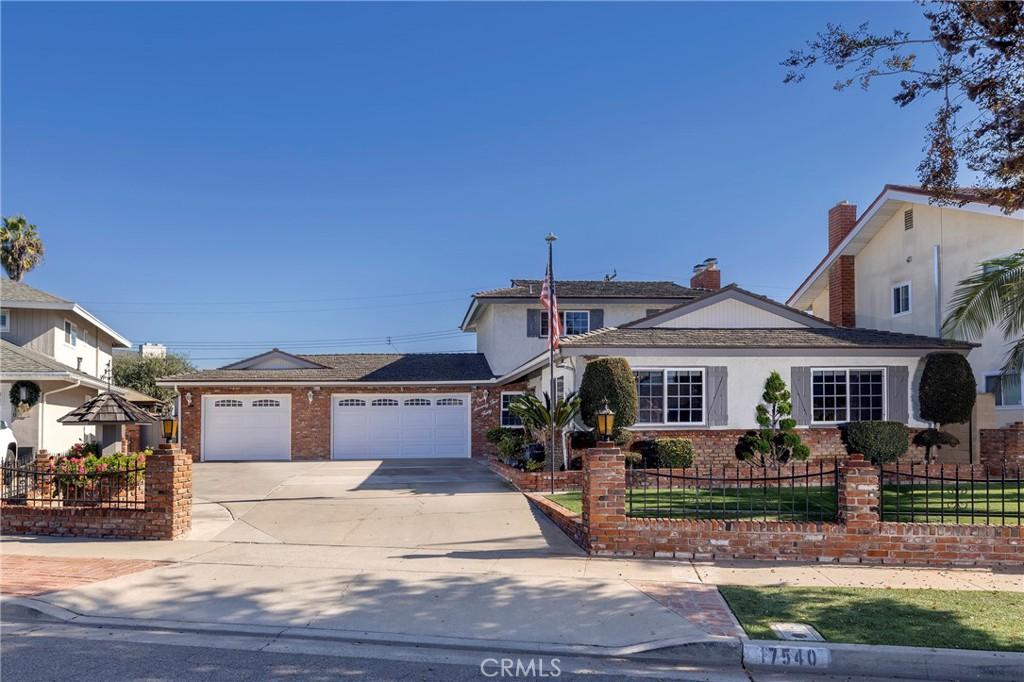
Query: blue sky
<point x="228" y="177"/>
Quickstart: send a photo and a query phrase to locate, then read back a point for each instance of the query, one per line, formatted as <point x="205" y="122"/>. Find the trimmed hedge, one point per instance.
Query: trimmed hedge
<point x="611" y="379"/>
<point x="674" y="452"/>
<point x="947" y="390"/>
<point x="879" y="441"/>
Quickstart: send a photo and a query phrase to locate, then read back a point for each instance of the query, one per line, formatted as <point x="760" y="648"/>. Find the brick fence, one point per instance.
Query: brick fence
<point x="167" y="513"/>
<point x="858" y="535"/>
<point x="1003" y="447"/>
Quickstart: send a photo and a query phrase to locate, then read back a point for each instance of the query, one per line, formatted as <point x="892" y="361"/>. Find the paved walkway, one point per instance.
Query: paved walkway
<point x="29" y="576"/>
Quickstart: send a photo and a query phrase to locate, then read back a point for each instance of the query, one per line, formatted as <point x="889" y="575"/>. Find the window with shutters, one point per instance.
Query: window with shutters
<point x="351" y="402"/>
<point x="266" y="402"/>
<point x="847" y="395"/>
<point x="573" y="322"/>
<point x="227" y="403"/>
<point x="670" y="396"/>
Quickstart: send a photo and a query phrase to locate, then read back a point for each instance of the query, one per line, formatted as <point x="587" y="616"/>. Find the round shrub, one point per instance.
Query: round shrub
<point x="947" y="391"/>
<point x="934" y="438"/>
<point x="674" y="452"/>
<point x="608" y="379"/>
<point x="880" y="442"/>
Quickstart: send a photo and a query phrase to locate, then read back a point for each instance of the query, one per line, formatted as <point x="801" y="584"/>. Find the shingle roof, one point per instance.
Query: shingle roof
<point x="797" y="338"/>
<point x="19" y="291"/>
<point x="16" y="359"/>
<point x="107" y="408"/>
<point x="369" y="367"/>
<point x="530" y="288"/>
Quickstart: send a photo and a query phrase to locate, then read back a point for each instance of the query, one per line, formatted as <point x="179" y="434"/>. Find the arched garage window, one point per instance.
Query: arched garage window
<point x="266" y="402"/>
<point x="384" y="402"/>
<point x="351" y="402"/>
<point x="449" y="401"/>
<point x="228" y="403"/>
<point x="418" y="402"/>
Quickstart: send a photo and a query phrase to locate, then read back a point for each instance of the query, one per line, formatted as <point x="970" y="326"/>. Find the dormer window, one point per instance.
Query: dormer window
<point x="573" y="322"/>
<point x="70" y="333"/>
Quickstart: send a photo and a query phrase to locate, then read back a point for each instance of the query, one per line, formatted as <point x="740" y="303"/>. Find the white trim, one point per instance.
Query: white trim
<point x="78" y="310"/>
<point x="5" y="324"/>
<point x="910" y="298"/>
<point x="286" y="403"/>
<point x="847" y="370"/>
<point x="74" y="333"/>
<point x="467" y="404"/>
<point x="502" y="410"/>
<point x="664" y="396"/>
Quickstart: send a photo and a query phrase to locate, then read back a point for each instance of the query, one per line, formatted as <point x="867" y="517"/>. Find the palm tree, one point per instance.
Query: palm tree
<point x="540" y="417"/>
<point x="994" y="295"/>
<point x="21" y="249"/>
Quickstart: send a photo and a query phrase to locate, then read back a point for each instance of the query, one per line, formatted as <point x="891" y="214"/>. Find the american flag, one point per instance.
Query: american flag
<point x="550" y="303"/>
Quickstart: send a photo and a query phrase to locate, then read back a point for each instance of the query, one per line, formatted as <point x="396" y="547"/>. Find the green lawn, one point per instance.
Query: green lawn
<point x="818" y="503"/>
<point x="927" y="618"/>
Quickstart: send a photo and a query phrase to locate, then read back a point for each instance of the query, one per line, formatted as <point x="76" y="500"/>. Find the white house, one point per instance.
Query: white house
<point x="897" y="265"/>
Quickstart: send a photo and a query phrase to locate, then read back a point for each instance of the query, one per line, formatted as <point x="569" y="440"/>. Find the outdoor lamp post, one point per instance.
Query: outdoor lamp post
<point x="605" y="422"/>
<point x="170" y="427"/>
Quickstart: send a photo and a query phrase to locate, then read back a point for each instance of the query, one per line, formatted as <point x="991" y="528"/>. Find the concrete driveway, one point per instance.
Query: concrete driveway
<point x="449" y="504"/>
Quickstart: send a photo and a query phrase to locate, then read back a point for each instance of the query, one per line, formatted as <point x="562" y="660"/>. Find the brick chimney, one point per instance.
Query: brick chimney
<point x="706" y="275"/>
<point x="841" y="276"/>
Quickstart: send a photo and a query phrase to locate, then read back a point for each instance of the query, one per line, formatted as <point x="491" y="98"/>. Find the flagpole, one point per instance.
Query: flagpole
<point x="550" y="239"/>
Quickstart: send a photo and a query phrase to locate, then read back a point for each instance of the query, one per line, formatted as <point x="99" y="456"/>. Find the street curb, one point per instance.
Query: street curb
<point x="711" y="650"/>
<point x="919" y="663"/>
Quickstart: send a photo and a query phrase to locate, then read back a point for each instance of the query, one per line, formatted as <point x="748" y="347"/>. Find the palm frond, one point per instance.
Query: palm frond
<point x="980" y="301"/>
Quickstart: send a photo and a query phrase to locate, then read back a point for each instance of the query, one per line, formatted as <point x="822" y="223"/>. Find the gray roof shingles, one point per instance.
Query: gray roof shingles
<point x="530" y="288"/>
<point x="796" y="338"/>
<point x="20" y="292"/>
<point x="368" y="367"/>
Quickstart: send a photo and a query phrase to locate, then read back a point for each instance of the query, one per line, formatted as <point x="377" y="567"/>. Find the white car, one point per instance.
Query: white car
<point x="8" y="445"/>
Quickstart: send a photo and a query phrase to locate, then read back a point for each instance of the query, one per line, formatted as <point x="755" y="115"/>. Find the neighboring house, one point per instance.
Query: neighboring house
<point x="897" y="265"/>
<point x="701" y="355"/>
<point x="61" y="348"/>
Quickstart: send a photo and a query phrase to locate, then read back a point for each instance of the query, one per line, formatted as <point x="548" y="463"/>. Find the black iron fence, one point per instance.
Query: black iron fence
<point x="951" y="493"/>
<point x="64" y="486"/>
<point x="790" y="492"/>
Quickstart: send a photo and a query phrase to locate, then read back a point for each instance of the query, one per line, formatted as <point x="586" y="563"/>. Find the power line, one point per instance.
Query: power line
<point x="317" y="342"/>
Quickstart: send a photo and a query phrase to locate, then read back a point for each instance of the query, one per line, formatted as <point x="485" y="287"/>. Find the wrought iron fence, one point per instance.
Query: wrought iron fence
<point x="951" y="493"/>
<point x="791" y="492"/>
<point x="52" y="486"/>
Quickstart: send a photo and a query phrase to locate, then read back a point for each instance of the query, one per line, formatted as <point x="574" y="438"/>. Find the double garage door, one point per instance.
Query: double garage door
<point x="363" y="426"/>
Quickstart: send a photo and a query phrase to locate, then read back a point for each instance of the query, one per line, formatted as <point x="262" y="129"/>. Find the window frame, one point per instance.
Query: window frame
<point x="5" y="319"/>
<point x="1011" y="406"/>
<point x="73" y="334"/>
<point x="664" y="396"/>
<point x="561" y="316"/>
<point x="559" y="388"/>
<point x="847" y="370"/>
<point x="910" y="298"/>
<point x="271" y="403"/>
<point x="503" y="410"/>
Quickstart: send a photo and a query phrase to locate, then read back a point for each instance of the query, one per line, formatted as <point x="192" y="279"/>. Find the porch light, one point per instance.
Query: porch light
<point x="605" y="422"/>
<point x="170" y="427"/>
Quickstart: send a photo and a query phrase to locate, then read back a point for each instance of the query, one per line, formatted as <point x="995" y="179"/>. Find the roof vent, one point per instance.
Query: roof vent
<point x="908" y="219"/>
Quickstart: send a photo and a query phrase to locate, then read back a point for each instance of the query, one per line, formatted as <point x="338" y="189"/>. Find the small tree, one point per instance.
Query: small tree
<point x="142" y="373"/>
<point x="539" y="418"/>
<point x="946" y="395"/>
<point x="609" y="379"/>
<point x="21" y="249"/>
<point x="934" y="438"/>
<point x="776" y="442"/>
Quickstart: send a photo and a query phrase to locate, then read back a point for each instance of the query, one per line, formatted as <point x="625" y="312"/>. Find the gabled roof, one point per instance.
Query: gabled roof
<point x="295" y="361"/>
<point x="20" y="295"/>
<point x="598" y="288"/>
<point x="881" y="210"/>
<point x="389" y="368"/>
<point x="20" y="362"/>
<point x="796" y="338"/>
<point x="107" y="408"/>
<point x="731" y="291"/>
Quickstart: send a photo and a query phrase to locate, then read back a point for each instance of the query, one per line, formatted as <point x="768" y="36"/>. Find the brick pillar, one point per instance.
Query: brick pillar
<point x="604" y="497"/>
<point x="841" y="219"/>
<point x="858" y="493"/>
<point x="41" y="482"/>
<point x="1002" y="447"/>
<point x="168" y="492"/>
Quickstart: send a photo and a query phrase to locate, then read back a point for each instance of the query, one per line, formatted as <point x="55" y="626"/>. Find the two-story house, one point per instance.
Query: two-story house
<point x="700" y="354"/>
<point x="54" y="353"/>
<point x="896" y="267"/>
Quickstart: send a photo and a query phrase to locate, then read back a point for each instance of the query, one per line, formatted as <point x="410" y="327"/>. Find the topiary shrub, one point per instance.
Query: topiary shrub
<point x="947" y="390"/>
<point x="880" y="442"/>
<point x="934" y="438"/>
<point x="776" y="441"/>
<point x="609" y="379"/>
<point x="674" y="452"/>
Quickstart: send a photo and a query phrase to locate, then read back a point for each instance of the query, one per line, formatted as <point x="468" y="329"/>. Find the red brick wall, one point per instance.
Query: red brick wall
<point x="167" y="514"/>
<point x="311" y="422"/>
<point x="567" y="521"/>
<point x="841" y="219"/>
<point x="841" y="296"/>
<point x="536" y="481"/>
<point x="858" y="537"/>
<point x="707" y="279"/>
<point x="1003" y="447"/>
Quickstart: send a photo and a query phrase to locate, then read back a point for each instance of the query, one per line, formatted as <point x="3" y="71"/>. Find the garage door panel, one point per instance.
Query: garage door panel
<point x="246" y="427"/>
<point x="413" y="426"/>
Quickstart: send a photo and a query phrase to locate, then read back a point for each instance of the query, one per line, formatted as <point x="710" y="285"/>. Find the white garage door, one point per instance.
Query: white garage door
<point x="389" y="426"/>
<point x="247" y="427"/>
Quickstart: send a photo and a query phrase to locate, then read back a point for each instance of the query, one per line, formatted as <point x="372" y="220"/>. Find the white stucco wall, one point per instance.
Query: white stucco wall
<point x="748" y="371"/>
<point x="56" y="437"/>
<point x="93" y="345"/>
<point x="896" y="255"/>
